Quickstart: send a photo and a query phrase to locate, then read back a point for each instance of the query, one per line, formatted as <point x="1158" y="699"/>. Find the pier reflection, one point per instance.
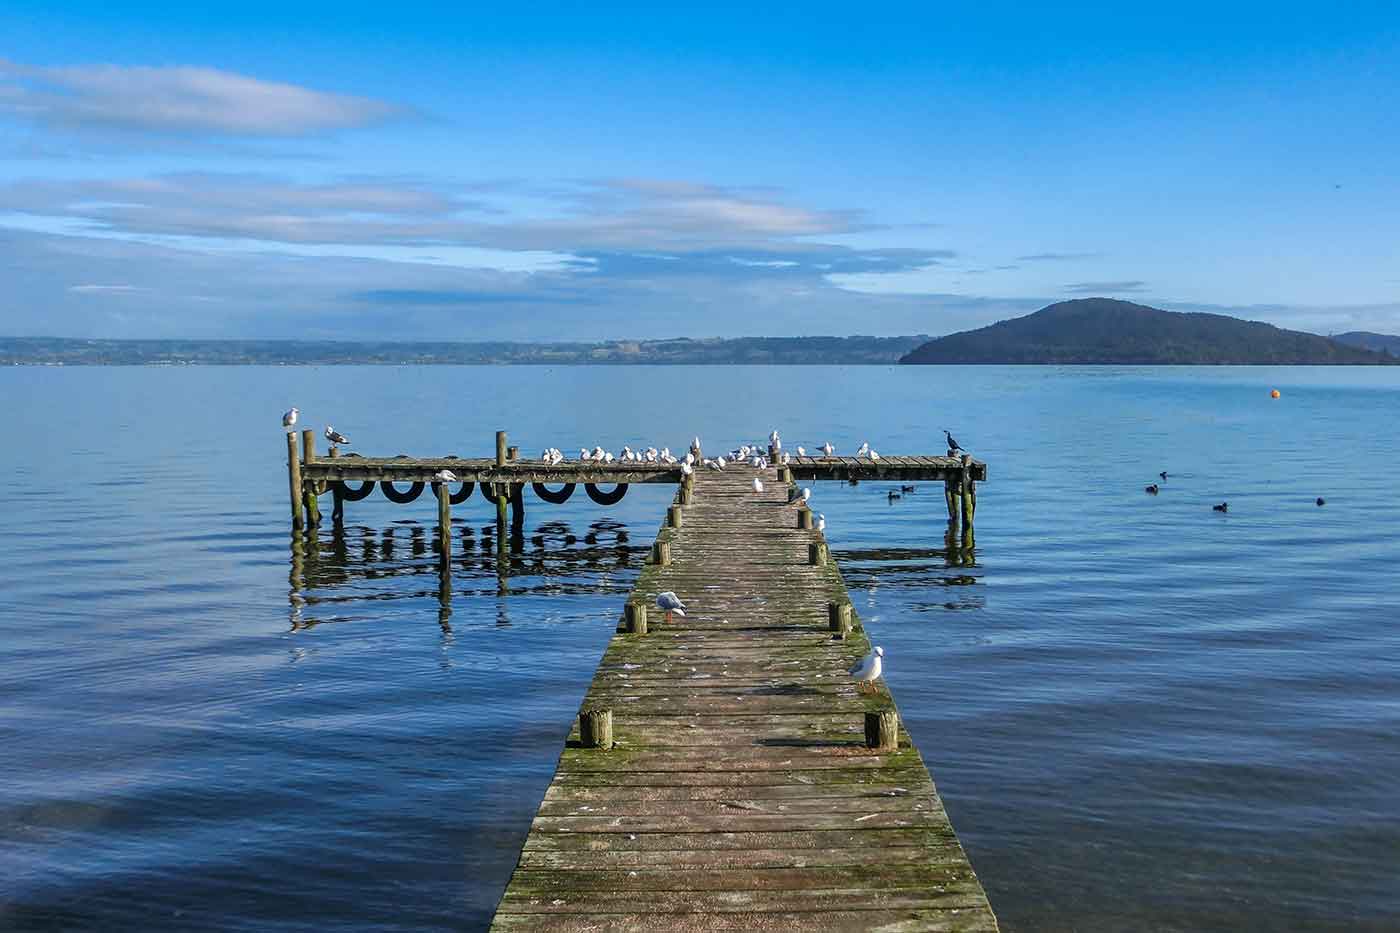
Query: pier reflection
<point x="337" y="565"/>
<point x="953" y="568"/>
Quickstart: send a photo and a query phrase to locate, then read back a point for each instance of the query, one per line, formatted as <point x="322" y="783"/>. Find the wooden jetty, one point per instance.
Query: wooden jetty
<point x="724" y="771"/>
<point x="749" y="784"/>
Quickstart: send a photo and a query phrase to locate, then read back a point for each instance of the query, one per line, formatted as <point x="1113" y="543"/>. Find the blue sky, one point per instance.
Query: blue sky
<point x="296" y="170"/>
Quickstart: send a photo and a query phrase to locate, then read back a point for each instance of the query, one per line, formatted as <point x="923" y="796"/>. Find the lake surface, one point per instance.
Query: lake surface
<point x="1141" y="714"/>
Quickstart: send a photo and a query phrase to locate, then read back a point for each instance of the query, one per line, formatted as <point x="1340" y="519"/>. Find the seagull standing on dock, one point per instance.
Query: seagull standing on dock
<point x="290" y="417"/>
<point x="669" y="602"/>
<point x="801" y="451"/>
<point x="445" y="476"/>
<point x="864" y="449"/>
<point x="869" y="668"/>
<point x="335" y="437"/>
<point x="952" y="444"/>
<point x="757" y="484"/>
<point x="827" y="449"/>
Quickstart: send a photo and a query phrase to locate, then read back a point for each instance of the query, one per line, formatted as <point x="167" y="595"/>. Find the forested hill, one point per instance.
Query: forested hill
<point x="1366" y="340"/>
<point x="56" y="351"/>
<point x="1105" y="330"/>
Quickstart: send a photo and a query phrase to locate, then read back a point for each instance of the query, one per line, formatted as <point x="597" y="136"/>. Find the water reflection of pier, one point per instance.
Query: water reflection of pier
<point x="570" y="560"/>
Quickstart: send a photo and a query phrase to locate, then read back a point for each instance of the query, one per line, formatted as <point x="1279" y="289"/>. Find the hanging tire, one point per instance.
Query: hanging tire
<point x="605" y="498"/>
<point x="555" y="496"/>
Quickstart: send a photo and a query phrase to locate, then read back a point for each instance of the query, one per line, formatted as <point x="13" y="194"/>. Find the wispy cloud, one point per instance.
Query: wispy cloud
<point x="1090" y="288"/>
<point x="106" y="289"/>
<point x="1057" y="257"/>
<point x="177" y="99"/>
<point x="627" y="214"/>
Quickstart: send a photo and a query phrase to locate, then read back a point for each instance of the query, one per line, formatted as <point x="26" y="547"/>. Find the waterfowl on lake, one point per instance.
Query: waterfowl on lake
<point x="1222" y="507"/>
<point x="1152" y="489"/>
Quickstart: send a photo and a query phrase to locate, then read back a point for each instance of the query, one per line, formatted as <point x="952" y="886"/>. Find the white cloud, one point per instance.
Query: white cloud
<point x="106" y="289"/>
<point x="177" y="99"/>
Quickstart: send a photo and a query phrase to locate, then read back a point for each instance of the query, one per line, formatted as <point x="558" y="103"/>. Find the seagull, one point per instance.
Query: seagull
<point x="874" y="455"/>
<point x="827" y="449"/>
<point x="1222" y="507"/>
<point x="775" y="441"/>
<point x="687" y="470"/>
<point x="864" y="449"/>
<point x="801" y="451"/>
<point x="868" y="670"/>
<point x="1152" y="490"/>
<point x="952" y="444"/>
<point x="821" y="522"/>
<point x="335" y="437"/>
<point x="757" y="484"/>
<point x="445" y="476"/>
<point x="290" y="418"/>
<point x="670" y="602"/>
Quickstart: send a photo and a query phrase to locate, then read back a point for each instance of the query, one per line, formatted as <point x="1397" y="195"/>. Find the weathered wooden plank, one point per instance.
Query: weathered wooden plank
<point x="740" y="786"/>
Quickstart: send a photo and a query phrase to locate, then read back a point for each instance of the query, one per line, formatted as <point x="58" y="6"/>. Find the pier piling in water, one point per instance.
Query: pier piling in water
<point x="294" y="479"/>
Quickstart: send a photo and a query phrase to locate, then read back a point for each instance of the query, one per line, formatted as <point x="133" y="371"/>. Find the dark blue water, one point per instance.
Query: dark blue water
<point x="1141" y="714"/>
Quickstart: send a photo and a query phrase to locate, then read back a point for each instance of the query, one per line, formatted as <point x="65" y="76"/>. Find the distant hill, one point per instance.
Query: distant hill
<point x="63" y="351"/>
<point x="1366" y="340"/>
<point x="1104" y="330"/>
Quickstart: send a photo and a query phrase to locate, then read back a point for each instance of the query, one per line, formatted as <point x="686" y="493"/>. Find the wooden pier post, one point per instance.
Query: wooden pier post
<point x="294" y="478"/>
<point x="816" y="554"/>
<point x="637" y="617"/>
<point x="785" y="474"/>
<point x="661" y="553"/>
<point x="500" y="448"/>
<point x="444" y="504"/>
<point x="512" y="453"/>
<point x="595" y="728"/>
<point x="969" y="492"/>
<point x="882" y="730"/>
<point x="804" y="517"/>
<point x="687" y="493"/>
<point x="517" y="504"/>
<point x="337" y="500"/>
<point x="308" y="491"/>
<point x="838" y="619"/>
<point x="675" y="516"/>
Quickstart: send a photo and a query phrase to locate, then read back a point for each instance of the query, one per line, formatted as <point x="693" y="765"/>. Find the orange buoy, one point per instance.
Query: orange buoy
<point x="1274" y="394"/>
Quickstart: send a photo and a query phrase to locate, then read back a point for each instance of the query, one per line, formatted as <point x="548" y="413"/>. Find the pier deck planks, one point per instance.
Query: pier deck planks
<point x="740" y="794"/>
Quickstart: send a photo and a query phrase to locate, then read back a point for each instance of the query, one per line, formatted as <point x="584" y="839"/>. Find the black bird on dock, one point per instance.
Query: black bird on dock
<point x="952" y="444"/>
<point x="1321" y="501"/>
<point x="1222" y="507"/>
<point x="1152" y="490"/>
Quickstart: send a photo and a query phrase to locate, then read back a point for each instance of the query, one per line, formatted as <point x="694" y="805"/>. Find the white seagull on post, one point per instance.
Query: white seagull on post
<point x="445" y="476"/>
<point x="821" y="522"/>
<point x="335" y="437"/>
<point x="670" y="602"/>
<point x="867" y="671"/>
<point x="290" y="417"/>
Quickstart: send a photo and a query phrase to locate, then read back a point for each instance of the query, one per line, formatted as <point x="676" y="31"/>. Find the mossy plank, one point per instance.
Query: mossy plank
<point x="740" y="787"/>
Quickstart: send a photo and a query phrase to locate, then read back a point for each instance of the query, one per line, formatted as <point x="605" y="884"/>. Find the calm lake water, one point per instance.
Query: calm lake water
<point x="1142" y="714"/>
